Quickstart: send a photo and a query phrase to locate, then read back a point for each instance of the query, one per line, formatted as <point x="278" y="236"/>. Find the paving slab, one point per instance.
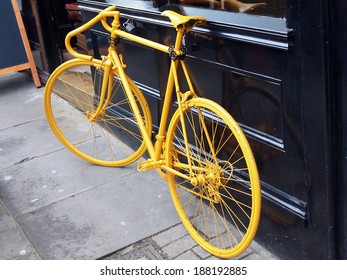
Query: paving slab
<point x="102" y="220"/>
<point x="14" y="244"/>
<point x="27" y="141"/>
<point x="20" y="102"/>
<point x="51" y="178"/>
<point x="15" y="84"/>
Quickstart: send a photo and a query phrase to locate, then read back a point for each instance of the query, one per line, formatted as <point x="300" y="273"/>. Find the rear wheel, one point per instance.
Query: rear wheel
<point x="218" y="195"/>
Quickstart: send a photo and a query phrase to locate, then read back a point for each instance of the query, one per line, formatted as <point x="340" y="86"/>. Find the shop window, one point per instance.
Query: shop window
<point x="261" y="22"/>
<point x="272" y="8"/>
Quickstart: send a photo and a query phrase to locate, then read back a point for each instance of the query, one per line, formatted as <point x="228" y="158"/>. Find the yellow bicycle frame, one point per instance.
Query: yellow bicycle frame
<point x="208" y="175"/>
<point x="115" y="60"/>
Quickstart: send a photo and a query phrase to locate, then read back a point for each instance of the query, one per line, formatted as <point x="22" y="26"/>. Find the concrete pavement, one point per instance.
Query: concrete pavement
<point x="53" y="205"/>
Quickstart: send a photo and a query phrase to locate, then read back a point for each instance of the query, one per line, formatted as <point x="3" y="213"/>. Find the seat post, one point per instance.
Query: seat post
<point x="178" y="42"/>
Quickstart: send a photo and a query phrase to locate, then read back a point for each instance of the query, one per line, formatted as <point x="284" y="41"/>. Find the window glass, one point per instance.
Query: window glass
<point x="273" y="8"/>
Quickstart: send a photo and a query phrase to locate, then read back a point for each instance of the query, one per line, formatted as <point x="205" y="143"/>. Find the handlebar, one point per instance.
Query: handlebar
<point x="108" y="12"/>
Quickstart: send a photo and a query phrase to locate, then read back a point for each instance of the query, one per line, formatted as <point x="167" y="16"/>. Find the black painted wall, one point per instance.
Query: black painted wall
<point x="338" y="86"/>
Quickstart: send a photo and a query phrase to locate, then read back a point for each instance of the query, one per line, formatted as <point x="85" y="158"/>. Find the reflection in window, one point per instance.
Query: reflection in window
<point x="273" y="8"/>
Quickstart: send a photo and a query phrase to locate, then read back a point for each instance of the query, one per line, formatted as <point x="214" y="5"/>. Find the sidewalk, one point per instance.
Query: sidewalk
<point x="53" y="205"/>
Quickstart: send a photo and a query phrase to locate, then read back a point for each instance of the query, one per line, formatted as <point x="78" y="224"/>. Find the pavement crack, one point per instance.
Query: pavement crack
<point x="21" y="124"/>
<point x="24" y="160"/>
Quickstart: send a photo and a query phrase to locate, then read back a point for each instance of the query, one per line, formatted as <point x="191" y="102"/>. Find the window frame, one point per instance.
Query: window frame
<point x="253" y="29"/>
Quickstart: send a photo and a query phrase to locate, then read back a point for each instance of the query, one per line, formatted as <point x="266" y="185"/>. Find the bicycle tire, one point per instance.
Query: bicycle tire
<point x="71" y="96"/>
<point x="219" y="200"/>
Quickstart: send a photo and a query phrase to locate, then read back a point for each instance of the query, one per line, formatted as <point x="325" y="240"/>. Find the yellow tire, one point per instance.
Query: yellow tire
<point x="218" y="196"/>
<point x="71" y="97"/>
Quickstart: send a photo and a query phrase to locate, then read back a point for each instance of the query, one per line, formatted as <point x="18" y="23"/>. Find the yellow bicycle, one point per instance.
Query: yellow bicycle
<point x="202" y="153"/>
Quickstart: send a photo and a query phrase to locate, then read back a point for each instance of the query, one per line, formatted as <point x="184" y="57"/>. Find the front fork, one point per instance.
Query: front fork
<point x="106" y="86"/>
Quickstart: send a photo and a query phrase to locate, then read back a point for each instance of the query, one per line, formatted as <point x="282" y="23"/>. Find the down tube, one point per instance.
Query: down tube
<point x="134" y="107"/>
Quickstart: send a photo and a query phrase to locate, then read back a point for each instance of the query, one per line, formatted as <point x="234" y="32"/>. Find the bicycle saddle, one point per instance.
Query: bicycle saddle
<point x="186" y="22"/>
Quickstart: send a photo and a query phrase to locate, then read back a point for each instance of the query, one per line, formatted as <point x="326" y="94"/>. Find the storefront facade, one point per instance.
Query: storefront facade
<point x="280" y="70"/>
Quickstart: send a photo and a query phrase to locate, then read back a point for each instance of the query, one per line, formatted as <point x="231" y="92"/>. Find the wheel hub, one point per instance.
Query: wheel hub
<point x="213" y="179"/>
<point x="93" y="117"/>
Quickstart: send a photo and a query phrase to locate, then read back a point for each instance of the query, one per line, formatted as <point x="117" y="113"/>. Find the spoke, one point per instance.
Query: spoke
<point x="107" y="136"/>
<point x="238" y="190"/>
<point x="199" y="194"/>
<point x="220" y="207"/>
<point x="73" y="101"/>
<point x="220" y="146"/>
<point x="115" y="123"/>
<point x="95" y="150"/>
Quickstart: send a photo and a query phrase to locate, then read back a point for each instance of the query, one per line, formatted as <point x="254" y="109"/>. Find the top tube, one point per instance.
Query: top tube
<point x="182" y="24"/>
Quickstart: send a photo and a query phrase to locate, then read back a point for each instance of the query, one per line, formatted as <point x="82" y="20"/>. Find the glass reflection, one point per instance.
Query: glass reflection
<point x="273" y="8"/>
<point x="233" y="5"/>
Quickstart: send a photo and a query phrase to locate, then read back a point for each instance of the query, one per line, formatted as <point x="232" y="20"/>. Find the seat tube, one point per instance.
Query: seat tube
<point x="165" y="111"/>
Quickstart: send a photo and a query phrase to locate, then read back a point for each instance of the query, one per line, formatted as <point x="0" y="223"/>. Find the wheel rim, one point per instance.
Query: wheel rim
<point x="220" y="202"/>
<point x="71" y="98"/>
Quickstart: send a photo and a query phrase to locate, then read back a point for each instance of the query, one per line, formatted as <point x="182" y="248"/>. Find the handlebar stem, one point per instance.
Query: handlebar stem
<point x="109" y="12"/>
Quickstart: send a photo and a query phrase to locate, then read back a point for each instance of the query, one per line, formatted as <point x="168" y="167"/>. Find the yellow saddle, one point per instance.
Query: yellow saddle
<point x="185" y="22"/>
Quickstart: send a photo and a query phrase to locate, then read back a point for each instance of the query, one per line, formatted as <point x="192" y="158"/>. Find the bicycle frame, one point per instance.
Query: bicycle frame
<point x="155" y="150"/>
<point x="213" y="178"/>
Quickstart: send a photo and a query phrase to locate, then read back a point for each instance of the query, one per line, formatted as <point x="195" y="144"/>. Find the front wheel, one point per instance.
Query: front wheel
<point x="110" y="137"/>
<point x="217" y="196"/>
